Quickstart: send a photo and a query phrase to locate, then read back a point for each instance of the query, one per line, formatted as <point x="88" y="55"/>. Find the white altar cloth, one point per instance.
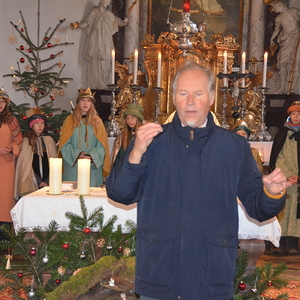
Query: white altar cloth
<point x="39" y="209"/>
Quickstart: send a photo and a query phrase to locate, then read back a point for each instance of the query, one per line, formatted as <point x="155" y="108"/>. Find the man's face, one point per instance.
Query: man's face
<point x="192" y="97"/>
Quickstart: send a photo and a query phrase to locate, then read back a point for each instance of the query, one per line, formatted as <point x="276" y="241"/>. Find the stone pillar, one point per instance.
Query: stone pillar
<point x="131" y="30"/>
<point x="256" y="29"/>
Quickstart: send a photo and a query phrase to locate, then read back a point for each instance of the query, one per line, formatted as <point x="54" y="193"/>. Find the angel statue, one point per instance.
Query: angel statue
<point x="252" y="102"/>
<point x="125" y="96"/>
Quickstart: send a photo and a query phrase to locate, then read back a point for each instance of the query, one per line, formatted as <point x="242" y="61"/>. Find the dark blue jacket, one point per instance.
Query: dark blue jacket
<point x="187" y="228"/>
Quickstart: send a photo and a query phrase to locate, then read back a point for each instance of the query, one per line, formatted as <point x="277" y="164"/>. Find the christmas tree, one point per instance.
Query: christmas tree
<point x="252" y="286"/>
<point x="40" y="77"/>
<point x="38" y="262"/>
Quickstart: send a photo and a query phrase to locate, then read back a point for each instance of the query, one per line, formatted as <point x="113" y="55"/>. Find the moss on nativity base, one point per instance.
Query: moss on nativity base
<point x="93" y="282"/>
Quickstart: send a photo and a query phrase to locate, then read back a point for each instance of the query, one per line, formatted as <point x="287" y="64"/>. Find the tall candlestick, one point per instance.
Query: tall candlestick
<point x="113" y="61"/>
<point x="55" y="176"/>
<point x="135" y="66"/>
<point x="83" y="176"/>
<point x="225" y="82"/>
<point x="243" y="67"/>
<point x="265" y="70"/>
<point x="158" y="70"/>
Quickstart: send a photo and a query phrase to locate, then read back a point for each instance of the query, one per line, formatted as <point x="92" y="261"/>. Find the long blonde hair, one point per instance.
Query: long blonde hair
<point x="91" y="116"/>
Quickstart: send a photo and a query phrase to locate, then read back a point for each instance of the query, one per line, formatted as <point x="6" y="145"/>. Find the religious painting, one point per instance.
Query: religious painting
<point x="221" y="16"/>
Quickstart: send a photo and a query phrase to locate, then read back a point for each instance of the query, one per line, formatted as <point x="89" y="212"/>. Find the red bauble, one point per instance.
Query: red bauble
<point x="51" y="114"/>
<point x="52" y="98"/>
<point x="52" y="56"/>
<point x="22" y="59"/>
<point x="46" y="38"/>
<point x="29" y="50"/>
<point x="24" y="118"/>
<point x="86" y="230"/>
<point x="269" y="283"/>
<point x="120" y="249"/>
<point x="22" y="47"/>
<point x="57" y="131"/>
<point x="43" y="92"/>
<point x="66" y="246"/>
<point x="49" y="45"/>
<point x="242" y="286"/>
<point x="22" y="29"/>
<point x="57" y="281"/>
<point x="20" y="274"/>
<point x="32" y="252"/>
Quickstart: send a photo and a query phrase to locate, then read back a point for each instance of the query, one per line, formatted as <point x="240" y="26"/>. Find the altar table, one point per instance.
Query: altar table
<point x="39" y="209"/>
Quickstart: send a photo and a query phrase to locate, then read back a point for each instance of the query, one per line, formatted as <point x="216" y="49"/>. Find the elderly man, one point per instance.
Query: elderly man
<point x="186" y="176"/>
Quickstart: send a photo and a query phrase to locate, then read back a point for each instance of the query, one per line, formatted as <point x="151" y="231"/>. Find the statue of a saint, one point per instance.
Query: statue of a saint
<point x="102" y="25"/>
<point x="288" y="38"/>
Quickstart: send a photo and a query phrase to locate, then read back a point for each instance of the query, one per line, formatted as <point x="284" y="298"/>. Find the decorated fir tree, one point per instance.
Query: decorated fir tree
<point x="38" y="262"/>
<point x="253" y="286"/>
<point x="38" y="74"/>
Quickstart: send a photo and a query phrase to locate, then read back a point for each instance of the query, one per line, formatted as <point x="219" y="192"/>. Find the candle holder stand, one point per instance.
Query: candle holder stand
<point x="235" y="78"/>
<point x="224" y="123"/>
<point x="113" y="127"/>
<point x="134" y="88"/>
<point x="262" y="132"/>
<point x="158" y="91"/>
<point x="243" y="104"/>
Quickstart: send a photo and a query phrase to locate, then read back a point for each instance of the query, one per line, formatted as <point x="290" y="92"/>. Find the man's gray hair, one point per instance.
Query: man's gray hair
<point x="191" y="65"/>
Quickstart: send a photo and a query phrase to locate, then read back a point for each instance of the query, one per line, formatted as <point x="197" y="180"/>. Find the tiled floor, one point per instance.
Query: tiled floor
<point x="292" y="262"/>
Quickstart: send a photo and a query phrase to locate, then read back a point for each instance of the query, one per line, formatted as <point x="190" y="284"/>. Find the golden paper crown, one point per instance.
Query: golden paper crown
<point x="3" y="95"/>
<point x="86" y="94"/>
<point x="33" y="111"/>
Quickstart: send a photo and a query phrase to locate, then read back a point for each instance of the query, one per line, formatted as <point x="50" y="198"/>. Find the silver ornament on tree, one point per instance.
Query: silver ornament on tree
<point x="31" y="293"/>
<point x="45" y="259"/>
<point x="82" y="255"/>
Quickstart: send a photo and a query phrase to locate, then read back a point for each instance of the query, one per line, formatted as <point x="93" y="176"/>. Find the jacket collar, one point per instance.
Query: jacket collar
<point x="195" y="137"/>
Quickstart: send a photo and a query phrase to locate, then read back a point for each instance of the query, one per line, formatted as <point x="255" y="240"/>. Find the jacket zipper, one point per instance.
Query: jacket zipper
<point x="192" y="135"/>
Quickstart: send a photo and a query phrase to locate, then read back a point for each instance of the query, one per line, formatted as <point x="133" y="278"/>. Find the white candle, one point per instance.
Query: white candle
<point x="67" y="40"/>
<point x="243" y="67"/>
<point x="83" y="176"/>
<point x="135" y="66"/>
<point x="158" y="70"/>
<point x="264" y="82"/>
<point x="55" y="176"/>
<point x="113" y="61"/>
<point x="225" y="82"/>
